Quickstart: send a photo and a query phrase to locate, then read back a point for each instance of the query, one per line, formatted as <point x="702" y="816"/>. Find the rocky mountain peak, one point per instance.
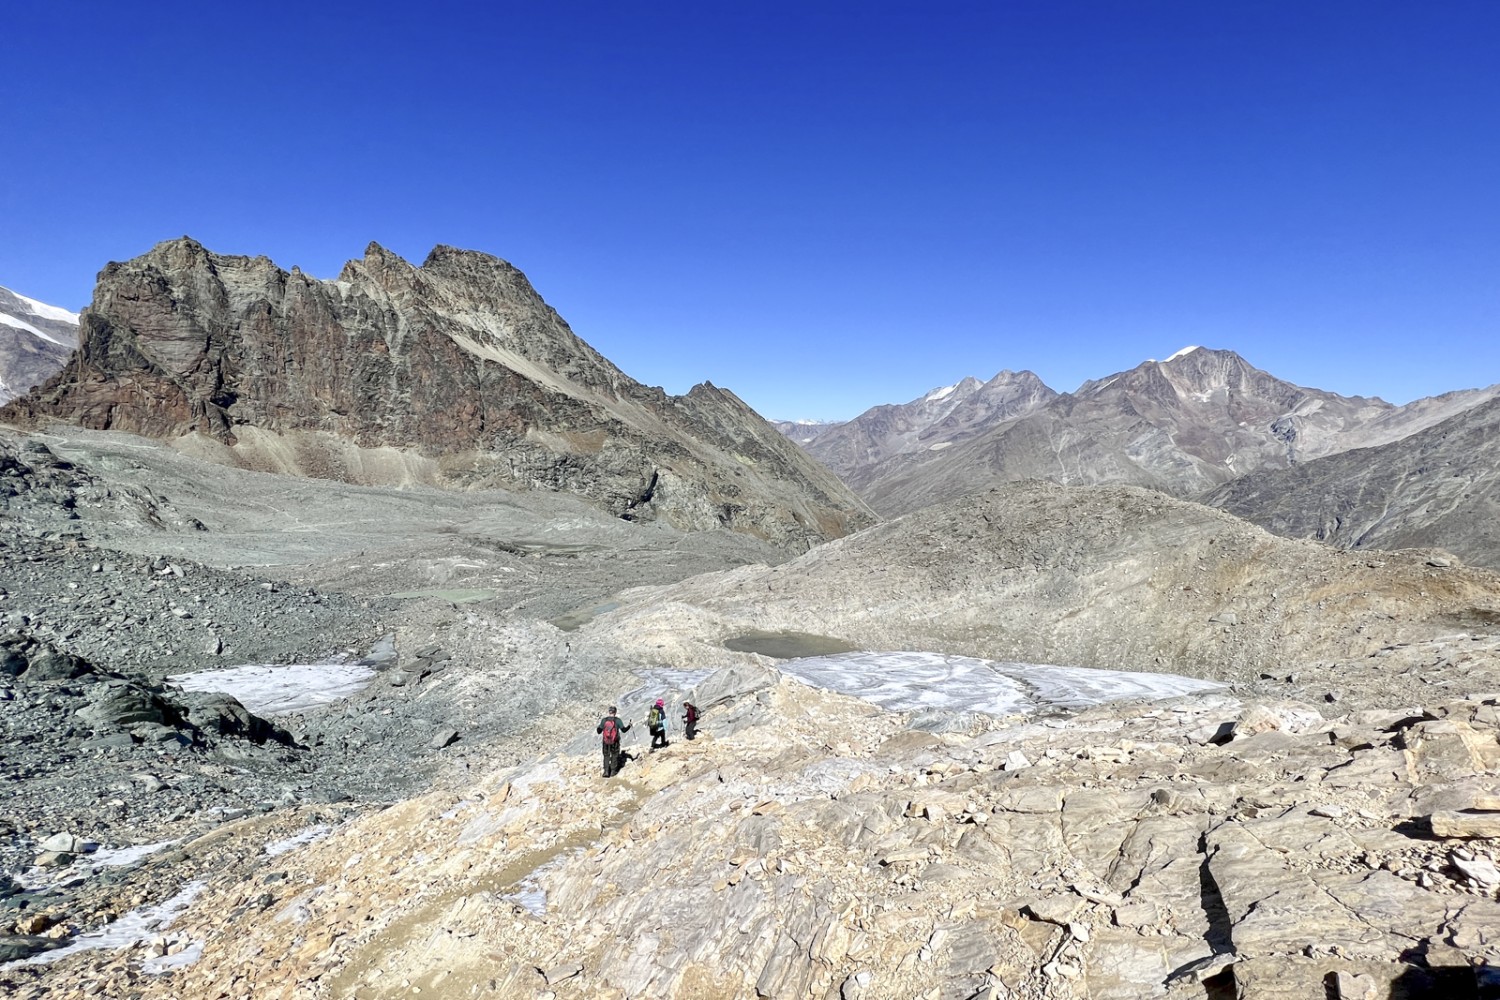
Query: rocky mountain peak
<point x="455" y="373"/>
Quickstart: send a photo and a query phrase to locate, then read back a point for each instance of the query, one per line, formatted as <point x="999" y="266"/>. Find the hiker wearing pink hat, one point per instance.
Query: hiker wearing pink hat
<point x="656" y="721"/>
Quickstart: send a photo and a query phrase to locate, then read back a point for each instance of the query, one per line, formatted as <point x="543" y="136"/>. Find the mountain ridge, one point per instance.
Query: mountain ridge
<point x="1184" y="425"/>
<point x="454" y="372"/>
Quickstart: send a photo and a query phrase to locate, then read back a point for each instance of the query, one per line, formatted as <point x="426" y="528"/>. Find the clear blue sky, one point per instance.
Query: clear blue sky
<point x="820" y="205"/>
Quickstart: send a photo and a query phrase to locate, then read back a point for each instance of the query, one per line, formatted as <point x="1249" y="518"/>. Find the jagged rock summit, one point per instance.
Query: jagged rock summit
<point x="35" y="341"/>
<point x="455" y="373"/>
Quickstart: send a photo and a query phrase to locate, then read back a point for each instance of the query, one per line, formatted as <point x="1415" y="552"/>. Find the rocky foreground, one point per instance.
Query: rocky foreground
<point x="1321" y="823"/>
<point x="809" y="844"/>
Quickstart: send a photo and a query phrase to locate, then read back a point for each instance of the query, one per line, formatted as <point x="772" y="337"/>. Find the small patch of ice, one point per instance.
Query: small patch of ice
<point x="458" y="807"/>
<point x="166" y="963"/>
<point x="532" y="898"/>
<point x="114" y="857"/>
<point x="308" y="836"/>
<point x="279" y="690"/>
<point x="529" y="894"/>
<point x="134" y="927"/>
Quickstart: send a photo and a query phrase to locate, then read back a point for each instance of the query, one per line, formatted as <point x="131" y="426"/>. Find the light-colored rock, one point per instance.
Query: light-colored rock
<point x="1453" y="823"/>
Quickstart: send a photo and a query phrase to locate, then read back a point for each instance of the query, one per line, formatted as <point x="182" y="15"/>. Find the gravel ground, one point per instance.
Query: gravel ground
<point x="123" y="563"/>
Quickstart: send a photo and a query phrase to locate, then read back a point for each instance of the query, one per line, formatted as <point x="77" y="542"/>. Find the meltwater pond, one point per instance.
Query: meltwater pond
<point x="920" y="682"/>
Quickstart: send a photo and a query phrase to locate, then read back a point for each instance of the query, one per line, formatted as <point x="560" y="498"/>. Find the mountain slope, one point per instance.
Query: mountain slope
<point x="1438" y="487"/>
<point x="1184" y="426"/>
<point x="35" y="342"/>
<point x="455" y="372"/>
<point x="861" y="450"/>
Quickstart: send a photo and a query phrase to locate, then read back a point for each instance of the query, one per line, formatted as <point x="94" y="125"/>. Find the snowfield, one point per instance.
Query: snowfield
<point x="276" y="690"/>
<point x="21" y="324"/>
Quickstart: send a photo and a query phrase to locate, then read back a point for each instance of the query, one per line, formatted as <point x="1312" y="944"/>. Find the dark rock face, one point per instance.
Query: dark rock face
<point x="1439" y="487"/>
<point x="455" y="373"/>
<point x="35" y="342"/>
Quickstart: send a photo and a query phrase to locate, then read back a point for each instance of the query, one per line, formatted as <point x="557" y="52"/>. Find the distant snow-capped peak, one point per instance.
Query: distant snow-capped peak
<point x="940" y="393"/>
<point x="1185" y="351"/>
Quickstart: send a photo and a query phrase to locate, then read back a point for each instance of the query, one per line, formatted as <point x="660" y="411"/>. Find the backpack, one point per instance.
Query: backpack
<point x="654" y="720"/>
<point x="611" y="731"/>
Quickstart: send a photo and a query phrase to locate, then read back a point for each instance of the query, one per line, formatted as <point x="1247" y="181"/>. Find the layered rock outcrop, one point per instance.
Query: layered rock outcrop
<point x="455" y="372"/>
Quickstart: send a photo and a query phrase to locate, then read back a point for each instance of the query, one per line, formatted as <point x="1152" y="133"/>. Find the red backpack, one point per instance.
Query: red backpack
<point x="611" y="731"/>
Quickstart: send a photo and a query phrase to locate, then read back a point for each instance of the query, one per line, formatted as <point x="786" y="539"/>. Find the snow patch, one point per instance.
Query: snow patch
<point x="937" y="394"/>
<point x="1185" y="351"/>
<point x="45" y="311"/>
<point x="26" y="327"/>
<point x="166" y="963"/>
<point x="940" y="446"/>
<point x="115" y="857"/>
<point x="918" y="682"/>
<point x="278" y="690"/>
<point x="308" y="836"/>
<point x="133" y="928"/>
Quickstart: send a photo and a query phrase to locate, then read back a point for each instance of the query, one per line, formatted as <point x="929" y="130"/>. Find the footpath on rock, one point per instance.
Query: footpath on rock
<point x="810" y="843"/>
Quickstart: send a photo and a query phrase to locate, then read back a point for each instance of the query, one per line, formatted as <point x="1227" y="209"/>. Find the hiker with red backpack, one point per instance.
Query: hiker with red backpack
<point x="689" y="719"/>
<point x="610" y="730"/>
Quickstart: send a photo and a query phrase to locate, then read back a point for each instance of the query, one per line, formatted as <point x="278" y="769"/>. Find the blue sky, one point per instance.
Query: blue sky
<point x="821" y="206"/>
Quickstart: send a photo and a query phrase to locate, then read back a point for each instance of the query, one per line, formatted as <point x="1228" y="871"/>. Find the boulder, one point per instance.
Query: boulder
<point x="223" y="715"/>
<point x="123" y="704"/>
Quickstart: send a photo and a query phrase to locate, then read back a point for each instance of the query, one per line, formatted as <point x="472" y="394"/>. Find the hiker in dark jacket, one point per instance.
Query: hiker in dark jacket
<point x="689" y="720"/>
<point x="611" y="730"/>
<point x="656" y="721"/>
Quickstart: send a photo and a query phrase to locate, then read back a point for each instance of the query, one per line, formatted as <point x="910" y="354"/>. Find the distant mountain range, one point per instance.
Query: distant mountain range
<point x="1187" y="426"/>
<point x="455" y="373"/>
<point x="36" y="340"/>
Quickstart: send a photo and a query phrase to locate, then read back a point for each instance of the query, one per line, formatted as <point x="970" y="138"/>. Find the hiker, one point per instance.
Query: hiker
<point x="689" y="720"/>
<point x="656" y="721"/>
<point x="610" y="729"/>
